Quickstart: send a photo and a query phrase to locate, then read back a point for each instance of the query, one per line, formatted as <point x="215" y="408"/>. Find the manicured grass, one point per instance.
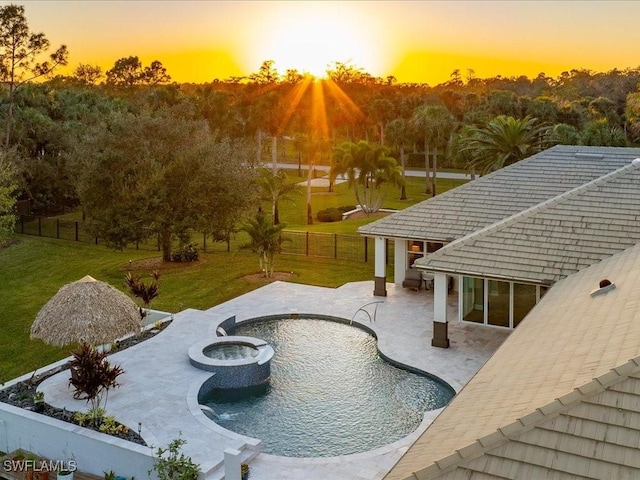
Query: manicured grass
<point x="33" y="270"/>
<point x="293" y="213"/>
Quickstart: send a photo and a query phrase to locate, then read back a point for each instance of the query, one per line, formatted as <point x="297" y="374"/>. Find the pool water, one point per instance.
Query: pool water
<point x="230" y="351"/>
<point x="330" y="393"/>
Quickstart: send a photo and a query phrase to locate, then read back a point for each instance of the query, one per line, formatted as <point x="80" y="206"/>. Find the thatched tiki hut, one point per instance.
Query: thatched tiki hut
<point x="86" y="311"/>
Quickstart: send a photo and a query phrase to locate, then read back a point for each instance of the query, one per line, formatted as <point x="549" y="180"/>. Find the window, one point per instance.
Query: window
<point x="499" y="294"/>
<point x="498" y="303"/>
<point x="415" y="250"/>
<point x="524" y="299"/>
<point x="473" y="299"/>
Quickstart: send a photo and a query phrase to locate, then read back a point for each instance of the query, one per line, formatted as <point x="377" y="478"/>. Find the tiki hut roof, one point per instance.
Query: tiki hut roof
<point x="86" y="311"/>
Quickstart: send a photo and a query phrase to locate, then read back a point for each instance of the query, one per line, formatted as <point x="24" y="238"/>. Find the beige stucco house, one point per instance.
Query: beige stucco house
<point x="550" y="245"/>
<point x="507" y="237"/>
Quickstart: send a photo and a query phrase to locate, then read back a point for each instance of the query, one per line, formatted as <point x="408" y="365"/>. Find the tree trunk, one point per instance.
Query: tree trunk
<point x="276" y="213"/>
<point x="7" y="137"/>
<point x="434" y="166"/>
<point x="274" y="154"/>
<point x="427" y="184"/>
<point x="12" y="95"/>
<point x="403" y="189"/>
<point x="259" y="153"/>
<point x="309" y="213"/>
<point x="165" y="242"/>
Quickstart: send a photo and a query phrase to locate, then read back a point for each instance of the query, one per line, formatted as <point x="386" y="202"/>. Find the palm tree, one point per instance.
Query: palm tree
<point x="274" y="188"/>
<point x="503" y="141"/>
<point x="367" y="167"/>
<point x="436" y="125"/>
<point x="564" y="134"/>
<point x="266" y="240"/>
<point x="399" y="135"/>
<point x="601" y="132"/>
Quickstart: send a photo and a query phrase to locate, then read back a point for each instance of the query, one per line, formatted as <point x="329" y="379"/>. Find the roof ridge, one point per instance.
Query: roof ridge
<point x="452" y="191"/>
<point x="505" y="222"/>
<point x="523" y="424"/>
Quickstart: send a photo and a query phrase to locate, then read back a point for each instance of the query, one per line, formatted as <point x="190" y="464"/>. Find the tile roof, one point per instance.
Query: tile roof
<point x="567" y="340"/>
<point x="501" y="194"/>
<point x="580" y="435"/>
<point x="555" y="238"/>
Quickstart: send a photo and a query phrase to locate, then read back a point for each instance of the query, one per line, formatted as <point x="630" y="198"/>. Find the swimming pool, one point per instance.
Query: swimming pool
<point x="330" y="392"/>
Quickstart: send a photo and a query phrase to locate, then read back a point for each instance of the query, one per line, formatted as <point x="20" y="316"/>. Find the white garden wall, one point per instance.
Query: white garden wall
<point x="94" y="452"/>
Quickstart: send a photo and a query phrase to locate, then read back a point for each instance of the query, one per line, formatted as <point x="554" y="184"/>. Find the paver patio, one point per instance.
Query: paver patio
<point x="160" y="386"/>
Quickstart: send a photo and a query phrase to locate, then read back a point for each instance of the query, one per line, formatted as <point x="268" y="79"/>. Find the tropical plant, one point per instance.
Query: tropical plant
<point x="399" y="135"/>
<point x="601" y="132"/>
<point x="564" y="134"/>
<point x="367" y="168"/>
<point x="92" y="376"/>
<point x="436" y="125"/>
<point x="632" y="115"/>
<point x="171" y="464"/>
<point x="274" y="188"/>
<point x="503" y="141"/>
<point x="266" y="240"/>
<point x="244" y="471"/>
<point x="139" y="289"/>
<point x="460" y="153"/>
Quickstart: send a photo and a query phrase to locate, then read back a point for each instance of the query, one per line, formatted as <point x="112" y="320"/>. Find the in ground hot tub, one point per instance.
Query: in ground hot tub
<point x="235" y="361"/>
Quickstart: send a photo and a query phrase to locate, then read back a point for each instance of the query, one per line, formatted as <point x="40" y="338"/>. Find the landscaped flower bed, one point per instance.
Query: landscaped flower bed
<point x="23" y="394"/>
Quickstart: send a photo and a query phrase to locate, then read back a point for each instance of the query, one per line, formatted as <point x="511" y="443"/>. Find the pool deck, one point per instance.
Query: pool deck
<point x="159" y="388"/>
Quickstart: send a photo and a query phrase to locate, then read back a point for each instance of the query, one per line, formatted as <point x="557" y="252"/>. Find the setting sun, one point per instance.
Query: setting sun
<point x="198" y="41"/>
<point x="308" y="37"/>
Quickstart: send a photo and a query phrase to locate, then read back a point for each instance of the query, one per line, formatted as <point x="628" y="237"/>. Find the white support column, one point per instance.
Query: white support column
<point x="399" y="260"/>
<point x="440" y="325"/>
<point x="232" y="464"/>
<point x="380" y="270"/>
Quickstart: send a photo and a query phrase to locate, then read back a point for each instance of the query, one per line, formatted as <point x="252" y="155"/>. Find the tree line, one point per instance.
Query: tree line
<point x="142" y="155"/>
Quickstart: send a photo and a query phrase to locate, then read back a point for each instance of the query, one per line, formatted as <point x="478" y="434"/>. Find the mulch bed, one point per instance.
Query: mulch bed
<point x="361" y="214"/>
<point x="22" y="393"/>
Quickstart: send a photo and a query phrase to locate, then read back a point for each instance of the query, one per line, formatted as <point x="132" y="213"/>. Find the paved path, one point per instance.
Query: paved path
<point x="408" y="172"/>
<point x="160" y="386"/>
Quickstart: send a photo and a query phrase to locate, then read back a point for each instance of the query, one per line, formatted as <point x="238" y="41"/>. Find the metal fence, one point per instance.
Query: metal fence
<point x="328" y="245"/>
<point x="338" y="246"/>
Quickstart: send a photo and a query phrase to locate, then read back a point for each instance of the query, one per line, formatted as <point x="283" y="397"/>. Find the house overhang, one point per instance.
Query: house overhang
<point x="405" y="237"/>
<point x="471" y="273"/>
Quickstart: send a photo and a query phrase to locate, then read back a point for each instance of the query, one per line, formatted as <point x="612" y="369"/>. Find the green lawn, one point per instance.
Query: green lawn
<point x="293" y="213"/>
<point x="33" y="269"/>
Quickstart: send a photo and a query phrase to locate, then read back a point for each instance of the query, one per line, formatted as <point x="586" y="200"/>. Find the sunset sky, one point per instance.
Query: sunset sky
<point x="419" y="41"/>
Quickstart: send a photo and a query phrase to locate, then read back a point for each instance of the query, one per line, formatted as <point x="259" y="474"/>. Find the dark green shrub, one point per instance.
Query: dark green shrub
<point x="171" y="464"/>
<point x="329" y="215"/>
<point x="186" y="253"/>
